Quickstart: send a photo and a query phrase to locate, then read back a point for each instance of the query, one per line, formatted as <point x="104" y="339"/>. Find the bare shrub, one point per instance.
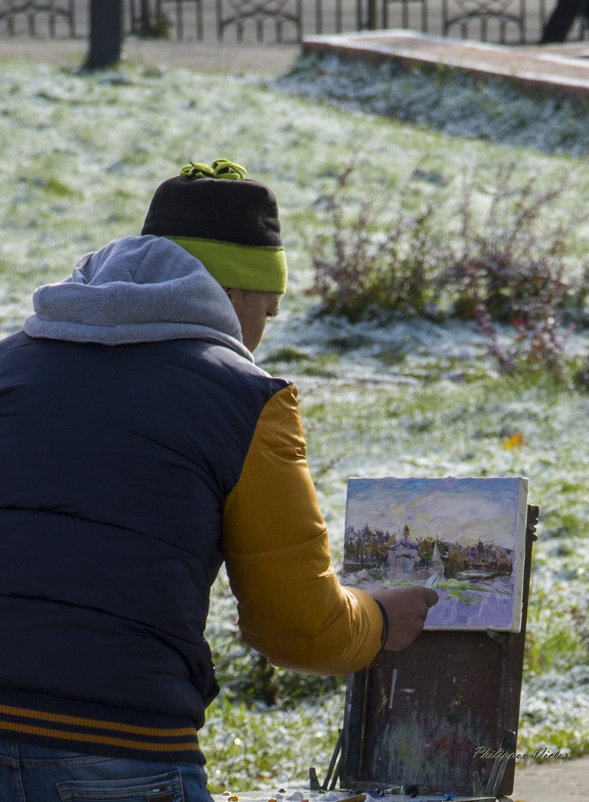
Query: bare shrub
<point x="511" y="269"/>
<point x="381" y="257"/>
<point x="503" y="268"/>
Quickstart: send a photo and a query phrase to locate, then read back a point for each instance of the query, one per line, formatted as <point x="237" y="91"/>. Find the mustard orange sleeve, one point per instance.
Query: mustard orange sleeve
<point x="291" y="605"/>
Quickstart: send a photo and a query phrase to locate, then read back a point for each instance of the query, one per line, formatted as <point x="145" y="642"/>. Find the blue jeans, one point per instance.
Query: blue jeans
<point x="38" y="774"/>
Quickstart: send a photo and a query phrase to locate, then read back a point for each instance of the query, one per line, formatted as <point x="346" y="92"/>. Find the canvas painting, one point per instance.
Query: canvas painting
<point x="463" y="537"/>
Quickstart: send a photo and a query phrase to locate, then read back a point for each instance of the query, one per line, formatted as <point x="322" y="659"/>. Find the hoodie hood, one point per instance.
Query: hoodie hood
<point x="136" y="289"/>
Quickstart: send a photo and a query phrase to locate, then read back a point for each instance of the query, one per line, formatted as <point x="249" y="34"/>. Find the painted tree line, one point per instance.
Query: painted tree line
<point x="375" y="548"/>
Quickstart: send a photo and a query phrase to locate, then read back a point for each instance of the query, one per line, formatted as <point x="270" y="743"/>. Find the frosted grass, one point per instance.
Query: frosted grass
<point x="454" y="102"/>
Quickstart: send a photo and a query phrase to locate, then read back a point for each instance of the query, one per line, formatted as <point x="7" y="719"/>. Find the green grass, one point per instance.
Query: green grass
<point x="269" y="748"/>
<point x="80" y="157"/>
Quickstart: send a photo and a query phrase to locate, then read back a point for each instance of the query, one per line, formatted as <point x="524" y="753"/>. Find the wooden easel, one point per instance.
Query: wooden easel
<point x="436" y="719"/>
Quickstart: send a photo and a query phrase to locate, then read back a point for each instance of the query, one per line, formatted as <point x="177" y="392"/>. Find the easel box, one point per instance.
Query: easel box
<point x="418" y="716"/>
<point x="464" y="537"/>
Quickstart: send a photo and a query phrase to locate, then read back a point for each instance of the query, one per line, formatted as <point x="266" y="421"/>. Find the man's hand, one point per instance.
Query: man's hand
<point x="406" y="610"/>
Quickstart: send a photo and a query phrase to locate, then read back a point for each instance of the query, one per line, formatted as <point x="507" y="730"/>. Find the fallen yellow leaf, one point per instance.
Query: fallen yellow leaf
<point x="515" y="441"/>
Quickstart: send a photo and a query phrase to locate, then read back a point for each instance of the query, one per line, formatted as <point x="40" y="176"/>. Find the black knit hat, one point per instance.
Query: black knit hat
<point x="227" y="221"/>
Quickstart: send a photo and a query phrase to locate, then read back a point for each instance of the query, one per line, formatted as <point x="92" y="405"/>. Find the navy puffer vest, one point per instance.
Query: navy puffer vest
<point x="115" y="463"/>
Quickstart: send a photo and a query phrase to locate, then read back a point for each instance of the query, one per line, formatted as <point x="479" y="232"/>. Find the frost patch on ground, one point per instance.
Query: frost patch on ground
<point x="449" y="101"/>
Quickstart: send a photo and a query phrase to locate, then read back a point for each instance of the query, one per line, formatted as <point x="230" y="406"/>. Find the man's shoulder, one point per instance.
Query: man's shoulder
<point x="16" y="340"/>
<point x="222" y="369"/>
<point x="215" y="355"/>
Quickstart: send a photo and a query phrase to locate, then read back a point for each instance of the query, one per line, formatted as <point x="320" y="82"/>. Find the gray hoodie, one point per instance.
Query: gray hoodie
<point x="137" y="289"/>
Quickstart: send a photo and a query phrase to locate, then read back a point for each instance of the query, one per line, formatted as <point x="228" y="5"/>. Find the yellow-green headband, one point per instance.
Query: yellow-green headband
<point x="241" y="267"/>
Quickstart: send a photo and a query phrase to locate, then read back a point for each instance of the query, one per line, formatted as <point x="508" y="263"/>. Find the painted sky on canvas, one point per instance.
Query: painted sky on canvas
<point x="455" y="510"/>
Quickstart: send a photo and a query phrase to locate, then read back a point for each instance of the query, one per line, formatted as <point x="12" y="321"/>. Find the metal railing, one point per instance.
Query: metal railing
<point x="38" y="16"/>
<point x="486" y="14"/>
<point x="254" y="21"/>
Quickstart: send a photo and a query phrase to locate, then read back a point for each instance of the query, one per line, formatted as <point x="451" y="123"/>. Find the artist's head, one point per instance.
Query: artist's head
<point x="231" y="225"/>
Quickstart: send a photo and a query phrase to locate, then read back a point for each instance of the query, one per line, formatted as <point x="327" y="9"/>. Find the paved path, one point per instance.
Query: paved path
<point x="553" y="780"/>
<point x="265" y="59"/>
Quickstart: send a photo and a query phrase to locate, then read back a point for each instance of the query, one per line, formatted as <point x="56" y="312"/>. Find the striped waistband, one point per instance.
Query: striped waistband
<point x="96" y="729"/>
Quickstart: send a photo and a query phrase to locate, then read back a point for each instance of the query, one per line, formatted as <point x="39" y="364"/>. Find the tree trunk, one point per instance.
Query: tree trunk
<point x="106" y="34"/>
